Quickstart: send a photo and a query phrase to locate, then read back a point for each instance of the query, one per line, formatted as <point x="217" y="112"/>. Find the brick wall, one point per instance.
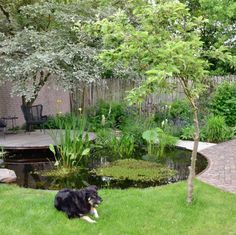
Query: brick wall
<point x="48" y="97"/>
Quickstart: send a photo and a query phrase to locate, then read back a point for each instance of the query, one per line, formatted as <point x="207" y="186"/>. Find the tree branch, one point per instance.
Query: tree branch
<point x="5" y="13"/>
<point x="49" y="22"/>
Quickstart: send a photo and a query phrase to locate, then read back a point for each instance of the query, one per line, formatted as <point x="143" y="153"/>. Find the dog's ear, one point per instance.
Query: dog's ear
<point x="92" y="187"/>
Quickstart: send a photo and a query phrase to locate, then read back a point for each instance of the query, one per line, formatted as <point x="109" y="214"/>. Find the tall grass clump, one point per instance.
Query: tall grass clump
<point x="216" y="130"/>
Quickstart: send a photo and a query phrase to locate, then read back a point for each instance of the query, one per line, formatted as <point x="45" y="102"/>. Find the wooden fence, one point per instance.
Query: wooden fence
<point x="116" y="89"/>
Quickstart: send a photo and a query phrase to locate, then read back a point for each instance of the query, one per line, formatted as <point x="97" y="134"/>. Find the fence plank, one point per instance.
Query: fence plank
<point x="116" y="90"/>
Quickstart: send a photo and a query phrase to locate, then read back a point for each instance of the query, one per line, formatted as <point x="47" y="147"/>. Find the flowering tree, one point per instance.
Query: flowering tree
<point x="46" y="44"/>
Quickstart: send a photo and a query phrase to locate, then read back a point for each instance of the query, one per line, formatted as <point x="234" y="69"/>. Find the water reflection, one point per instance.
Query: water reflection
<point x="29" y="174"/>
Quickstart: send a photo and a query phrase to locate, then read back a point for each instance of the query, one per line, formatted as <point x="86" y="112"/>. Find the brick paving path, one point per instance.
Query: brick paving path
<point x="222" y="166"/>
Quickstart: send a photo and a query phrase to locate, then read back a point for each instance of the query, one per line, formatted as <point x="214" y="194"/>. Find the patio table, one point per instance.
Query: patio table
<point x="12" y="119"/>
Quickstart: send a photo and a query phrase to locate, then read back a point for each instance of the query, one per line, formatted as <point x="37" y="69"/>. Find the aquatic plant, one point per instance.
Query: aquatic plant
<point x="135" y="172"/>
<point x="72" y="143"/>
<point x="157" y="140"/>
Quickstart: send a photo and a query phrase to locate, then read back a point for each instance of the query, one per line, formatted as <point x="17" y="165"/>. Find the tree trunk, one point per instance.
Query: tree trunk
<point x="194" y="154"/>
<point x="38" y="86"/>
<point x="27" y="103"/>
<point x="5" y="13"/>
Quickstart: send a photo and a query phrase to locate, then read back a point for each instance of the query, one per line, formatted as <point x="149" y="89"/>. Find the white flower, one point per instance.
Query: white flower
<point x="163" y="123"/>
<point x="103" y="122"/>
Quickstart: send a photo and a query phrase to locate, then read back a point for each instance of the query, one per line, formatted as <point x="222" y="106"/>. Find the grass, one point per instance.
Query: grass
<point x="160" y="210"/>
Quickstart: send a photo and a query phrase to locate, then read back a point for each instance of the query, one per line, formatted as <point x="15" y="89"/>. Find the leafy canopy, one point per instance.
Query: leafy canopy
<point x="45" y="44"/>
<point x="158" y="42"/>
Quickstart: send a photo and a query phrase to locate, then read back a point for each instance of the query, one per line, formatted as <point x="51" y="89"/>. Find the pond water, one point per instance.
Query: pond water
<point x="30" y="170"/>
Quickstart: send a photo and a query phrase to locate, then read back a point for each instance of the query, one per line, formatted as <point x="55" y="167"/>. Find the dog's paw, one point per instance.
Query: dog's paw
<point x="88" y="219"/>
<point x="94" y="212"/>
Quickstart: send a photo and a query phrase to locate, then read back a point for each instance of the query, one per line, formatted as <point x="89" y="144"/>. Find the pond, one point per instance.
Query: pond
<point x="33" y="170"/>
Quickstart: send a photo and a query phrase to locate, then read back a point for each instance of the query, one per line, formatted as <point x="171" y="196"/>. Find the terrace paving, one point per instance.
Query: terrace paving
<point x="221" y="171"/>
<point x="35" y="140"/>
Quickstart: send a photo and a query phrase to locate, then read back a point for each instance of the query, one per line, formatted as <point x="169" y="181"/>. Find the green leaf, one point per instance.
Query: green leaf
<point x="86" y="152"/>
<point x="52" y="149"/>
<point x="152" y="136"/>
<point x="73" y="156"/>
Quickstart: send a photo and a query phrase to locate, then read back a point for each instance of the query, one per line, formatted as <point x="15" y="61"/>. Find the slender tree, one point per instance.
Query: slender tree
<point x="163" y="43"/>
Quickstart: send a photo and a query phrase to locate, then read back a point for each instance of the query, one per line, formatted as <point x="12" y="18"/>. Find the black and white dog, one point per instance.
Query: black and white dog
<point x="78" y="203"/>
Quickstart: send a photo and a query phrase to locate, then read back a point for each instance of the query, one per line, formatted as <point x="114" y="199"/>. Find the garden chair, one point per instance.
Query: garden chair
<point x="3" y="126"/>
<point x="33" y="116"/>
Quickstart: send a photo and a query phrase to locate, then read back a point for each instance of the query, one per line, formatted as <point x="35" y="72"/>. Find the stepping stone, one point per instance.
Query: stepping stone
<point x="7" y="176"/>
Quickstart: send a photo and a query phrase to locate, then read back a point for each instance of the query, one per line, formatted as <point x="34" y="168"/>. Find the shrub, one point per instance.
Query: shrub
<point x="175" y="116"/>
<point x="180" y="111"/>
<point x="135" y="172"/>
<point x="117" y="145"/>
<point x="60" y="121"/>
<point x="188" y="133"/>
<point x="223" y="102"/>
<point x="216" y="129"/>
<point x="163" y="113"/>
<point x="106" y="114"/>
<point x="135" y="125"/>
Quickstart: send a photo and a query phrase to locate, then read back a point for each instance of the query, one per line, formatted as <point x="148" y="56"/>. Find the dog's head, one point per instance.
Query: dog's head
<point x="92" y="196"/>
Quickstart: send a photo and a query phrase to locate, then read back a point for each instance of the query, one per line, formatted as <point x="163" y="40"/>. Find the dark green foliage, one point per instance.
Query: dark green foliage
<point x="136" y="125"/>
<point x="9" y="13"/>
<point x="174" y="116"/>
<point x="223" y="102"/>
<point x="217" y="30"/>
<point x="180" y="110"/>
<point x="137" y="171"/>
<point x="115" y="145"/>
<point x="214" y="130"/>
<point x="59" y="121"/>
<point x="106" y="114"/>
<point x="163" y="113"/>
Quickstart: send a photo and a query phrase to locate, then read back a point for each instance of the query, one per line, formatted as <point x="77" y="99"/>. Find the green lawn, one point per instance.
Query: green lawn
<point x="160" y="210"/>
